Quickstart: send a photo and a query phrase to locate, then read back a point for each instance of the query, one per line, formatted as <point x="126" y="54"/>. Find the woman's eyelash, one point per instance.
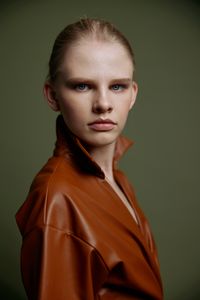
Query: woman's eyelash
<point x="85" y="86"/>
<point x="118" y="87"/>
<point x="81" y="86"/>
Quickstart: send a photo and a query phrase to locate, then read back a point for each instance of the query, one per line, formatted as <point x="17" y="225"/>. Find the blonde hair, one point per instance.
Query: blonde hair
<point x="84" y="28"/>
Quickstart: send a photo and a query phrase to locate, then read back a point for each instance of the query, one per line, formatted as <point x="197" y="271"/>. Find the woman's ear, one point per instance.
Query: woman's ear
<point x="50" y="95"/>
<point x="134" y="94"/>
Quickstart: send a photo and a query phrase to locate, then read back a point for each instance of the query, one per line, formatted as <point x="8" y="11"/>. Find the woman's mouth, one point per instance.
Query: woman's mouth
<point x="102" y="125"/>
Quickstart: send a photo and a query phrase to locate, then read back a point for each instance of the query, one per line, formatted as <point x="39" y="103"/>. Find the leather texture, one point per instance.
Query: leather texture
<point x="79" y="239"/>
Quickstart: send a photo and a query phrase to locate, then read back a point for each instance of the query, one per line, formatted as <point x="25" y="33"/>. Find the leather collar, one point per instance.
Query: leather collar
<point x="68" y="144"/>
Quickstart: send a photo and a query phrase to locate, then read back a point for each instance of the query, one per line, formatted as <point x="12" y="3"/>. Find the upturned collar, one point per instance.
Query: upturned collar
<point x="68" y="144"/>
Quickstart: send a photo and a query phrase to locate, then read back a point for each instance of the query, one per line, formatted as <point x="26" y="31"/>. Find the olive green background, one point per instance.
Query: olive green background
<point x="163" y="164"/>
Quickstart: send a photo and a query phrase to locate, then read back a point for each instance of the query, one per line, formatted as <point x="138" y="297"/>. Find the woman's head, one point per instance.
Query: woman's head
<point x="85" y="29"/>
<point x="91" y="81"/>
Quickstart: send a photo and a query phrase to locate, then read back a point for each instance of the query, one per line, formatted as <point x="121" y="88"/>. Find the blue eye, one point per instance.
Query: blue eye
<point x="81" y="87"/>
<point x="118" y="87"/>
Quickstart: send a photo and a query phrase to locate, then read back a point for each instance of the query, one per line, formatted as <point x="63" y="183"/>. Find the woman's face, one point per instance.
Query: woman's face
<point x="94" y="91"/>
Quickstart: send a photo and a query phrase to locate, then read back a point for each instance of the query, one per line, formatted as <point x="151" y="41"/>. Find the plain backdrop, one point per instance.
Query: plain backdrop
<point x="163" y="165"/>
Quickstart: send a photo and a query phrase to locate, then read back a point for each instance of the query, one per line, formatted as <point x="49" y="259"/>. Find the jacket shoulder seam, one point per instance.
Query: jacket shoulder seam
<point x="70" y="234"/>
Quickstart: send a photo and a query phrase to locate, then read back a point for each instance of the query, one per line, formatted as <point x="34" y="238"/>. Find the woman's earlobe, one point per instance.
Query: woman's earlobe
<point x="50" y="96"/>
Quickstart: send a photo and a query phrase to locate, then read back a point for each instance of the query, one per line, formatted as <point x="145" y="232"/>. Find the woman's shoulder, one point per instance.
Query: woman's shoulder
<point x="52" y="170"/>
<point x="46" y="197"/>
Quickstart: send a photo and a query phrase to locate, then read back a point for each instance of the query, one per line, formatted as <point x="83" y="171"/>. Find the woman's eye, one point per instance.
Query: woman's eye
<point x="81" y="87"/>
<point x="118" y="87"/>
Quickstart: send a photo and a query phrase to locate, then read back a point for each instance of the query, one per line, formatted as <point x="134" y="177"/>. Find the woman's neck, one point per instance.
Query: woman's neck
<point x="103" y="156"/>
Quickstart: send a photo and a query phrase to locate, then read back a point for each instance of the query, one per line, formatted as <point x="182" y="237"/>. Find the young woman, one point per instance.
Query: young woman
<point x="84" y="235"/>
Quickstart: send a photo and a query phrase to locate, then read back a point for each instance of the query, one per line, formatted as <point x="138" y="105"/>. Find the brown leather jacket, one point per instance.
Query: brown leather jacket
<point x="79" y="239"/>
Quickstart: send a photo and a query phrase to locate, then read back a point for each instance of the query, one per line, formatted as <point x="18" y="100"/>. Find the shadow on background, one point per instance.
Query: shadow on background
<point x="7" y="293"/>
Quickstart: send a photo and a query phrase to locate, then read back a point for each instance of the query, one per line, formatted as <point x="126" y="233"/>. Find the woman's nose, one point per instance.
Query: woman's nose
<point x="101" y="103"/>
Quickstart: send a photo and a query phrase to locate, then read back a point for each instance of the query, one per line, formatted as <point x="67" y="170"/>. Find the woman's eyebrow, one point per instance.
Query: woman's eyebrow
<point x="88" y="80"/>
<point x="78" y="79"/>
<point x="122" y="80"/>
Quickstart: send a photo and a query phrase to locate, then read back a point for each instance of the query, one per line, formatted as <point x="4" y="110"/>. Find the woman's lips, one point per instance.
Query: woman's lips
<point x="102" y="125"/>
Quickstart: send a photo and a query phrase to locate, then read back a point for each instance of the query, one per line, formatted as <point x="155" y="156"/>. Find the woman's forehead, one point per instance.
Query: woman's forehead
<point x="94" y="57"/>
<point x="96" y="49"/>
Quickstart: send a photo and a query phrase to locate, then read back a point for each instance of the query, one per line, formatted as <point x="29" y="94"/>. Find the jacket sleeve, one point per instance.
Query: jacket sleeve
<point x="58" y="265"/>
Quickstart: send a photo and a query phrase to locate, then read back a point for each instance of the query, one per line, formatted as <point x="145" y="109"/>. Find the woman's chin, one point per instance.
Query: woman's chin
<point x="101" y="140"/>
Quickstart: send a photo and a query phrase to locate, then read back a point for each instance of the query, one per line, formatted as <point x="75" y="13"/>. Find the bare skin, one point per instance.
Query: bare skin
<point x="106" y="165"/>
<point x="122" y="196"/>
<point x="95" y="82"/>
